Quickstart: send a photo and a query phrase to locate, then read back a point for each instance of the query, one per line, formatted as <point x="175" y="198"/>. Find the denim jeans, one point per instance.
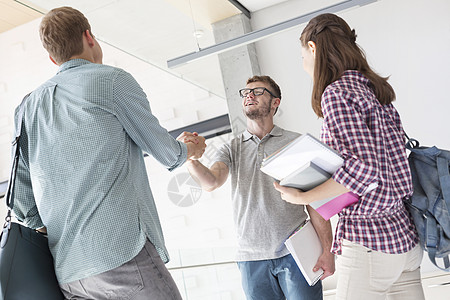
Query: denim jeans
<point x="142" y="278"/>
<point x="277" y="279"/>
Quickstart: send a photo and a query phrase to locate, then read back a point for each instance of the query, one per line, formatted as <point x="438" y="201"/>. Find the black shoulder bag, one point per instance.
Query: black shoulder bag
<point x="26" y="264"/>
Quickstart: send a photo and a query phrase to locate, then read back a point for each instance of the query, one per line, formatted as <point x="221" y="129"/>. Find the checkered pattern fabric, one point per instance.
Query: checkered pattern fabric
<point x="370" y="138"/>
<point x="81" y="172"/>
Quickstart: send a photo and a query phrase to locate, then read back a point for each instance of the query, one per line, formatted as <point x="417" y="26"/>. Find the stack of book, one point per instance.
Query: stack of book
<point x="306" y="163"/>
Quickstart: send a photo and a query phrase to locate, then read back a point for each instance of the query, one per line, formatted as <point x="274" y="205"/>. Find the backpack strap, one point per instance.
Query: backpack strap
<point x="411" y="143"/>
<point x="431" y="244"/>
<point x="444" y="178"/>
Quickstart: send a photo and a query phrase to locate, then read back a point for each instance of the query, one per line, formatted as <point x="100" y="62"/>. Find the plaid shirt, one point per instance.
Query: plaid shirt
<point x="370" y="138"/>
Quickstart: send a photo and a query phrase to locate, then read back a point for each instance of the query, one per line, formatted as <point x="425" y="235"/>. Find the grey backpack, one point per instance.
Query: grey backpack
<point x="430" y="202"/>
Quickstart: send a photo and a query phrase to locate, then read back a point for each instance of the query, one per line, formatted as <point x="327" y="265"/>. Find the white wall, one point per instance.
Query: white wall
<point x="406" y="39"/>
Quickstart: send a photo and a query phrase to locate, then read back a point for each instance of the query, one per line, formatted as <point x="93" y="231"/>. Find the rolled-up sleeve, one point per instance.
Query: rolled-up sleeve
<point x="133" y="111"/>
<point x="352" y="138"/>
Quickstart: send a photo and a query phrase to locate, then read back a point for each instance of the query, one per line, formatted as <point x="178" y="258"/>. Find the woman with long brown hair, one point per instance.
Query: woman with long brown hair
<point x="377" y="243"/>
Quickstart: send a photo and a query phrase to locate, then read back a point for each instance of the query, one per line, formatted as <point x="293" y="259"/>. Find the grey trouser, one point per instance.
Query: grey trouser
<point x="143" y="277"/>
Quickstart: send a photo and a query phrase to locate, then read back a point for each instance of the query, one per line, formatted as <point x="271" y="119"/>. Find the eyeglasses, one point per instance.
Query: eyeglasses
<point x="258" y="91"/>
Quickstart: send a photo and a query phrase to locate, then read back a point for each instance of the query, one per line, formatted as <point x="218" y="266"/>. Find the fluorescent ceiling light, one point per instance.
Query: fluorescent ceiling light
<point x="263" y="33"/>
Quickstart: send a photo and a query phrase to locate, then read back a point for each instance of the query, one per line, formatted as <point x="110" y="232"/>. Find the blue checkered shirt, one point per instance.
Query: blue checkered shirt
<point x="370" y="138"/>
<point x="82" y="173"/>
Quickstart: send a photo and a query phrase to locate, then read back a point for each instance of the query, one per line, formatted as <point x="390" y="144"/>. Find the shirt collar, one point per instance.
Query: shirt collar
<point x="276" y="131"/>
<point x="353" y="74"/>
<point x="72" y="64"/>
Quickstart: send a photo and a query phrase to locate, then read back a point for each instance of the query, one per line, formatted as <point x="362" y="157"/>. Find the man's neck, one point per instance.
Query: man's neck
<point x="260" y="127"/>
<point x="84" y="56"/>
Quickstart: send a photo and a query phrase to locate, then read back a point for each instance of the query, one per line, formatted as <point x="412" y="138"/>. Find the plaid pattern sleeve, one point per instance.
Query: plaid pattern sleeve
<point x="370" y="138"/>
<point x="357" y="146"/>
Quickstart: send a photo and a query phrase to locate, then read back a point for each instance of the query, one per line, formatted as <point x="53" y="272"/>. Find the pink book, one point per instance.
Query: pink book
<point x="329" y="207"/>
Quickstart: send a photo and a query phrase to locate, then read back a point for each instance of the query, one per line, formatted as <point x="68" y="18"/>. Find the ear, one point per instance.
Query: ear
<point x="312" y="48"/>
<point x="276" y="102"/>
<point x="53" y="61"/>
<point x="89" y="38"/>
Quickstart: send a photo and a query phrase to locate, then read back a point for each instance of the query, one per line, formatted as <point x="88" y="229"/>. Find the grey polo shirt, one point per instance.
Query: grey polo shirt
<point x="263" y="220"/>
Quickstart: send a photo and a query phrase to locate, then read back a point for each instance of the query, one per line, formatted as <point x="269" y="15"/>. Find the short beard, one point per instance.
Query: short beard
<point x="259" y="113"/>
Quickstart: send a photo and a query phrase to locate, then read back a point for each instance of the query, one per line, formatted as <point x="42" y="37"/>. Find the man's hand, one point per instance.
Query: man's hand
<point x="323" y="229"/>
<point x="187" y="137"/>
<point x="42" y="230"/>
<point x="326" y="262"/>
<point x="195" y="144"/>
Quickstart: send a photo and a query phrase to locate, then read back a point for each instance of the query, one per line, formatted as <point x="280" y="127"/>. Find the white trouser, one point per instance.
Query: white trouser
<point x="364" y="274"/>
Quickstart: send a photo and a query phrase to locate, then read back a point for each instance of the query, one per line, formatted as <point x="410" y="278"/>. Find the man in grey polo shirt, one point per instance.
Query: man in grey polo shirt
<point x="263" y="220"/>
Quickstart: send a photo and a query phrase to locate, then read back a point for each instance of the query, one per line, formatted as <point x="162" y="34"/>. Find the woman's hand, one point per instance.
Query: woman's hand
<point x="291" y="195"/>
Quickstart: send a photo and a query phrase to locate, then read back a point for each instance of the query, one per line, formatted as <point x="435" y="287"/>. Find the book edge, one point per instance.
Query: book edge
<point x="304" y="167"/>
<point x="316" y="277"/>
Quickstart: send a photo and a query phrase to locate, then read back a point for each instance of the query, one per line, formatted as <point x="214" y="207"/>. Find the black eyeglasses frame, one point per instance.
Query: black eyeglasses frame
<point x="253" y="91"/>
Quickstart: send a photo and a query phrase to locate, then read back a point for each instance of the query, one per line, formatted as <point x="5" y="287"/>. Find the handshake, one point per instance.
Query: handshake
<point x="195" y="144"/>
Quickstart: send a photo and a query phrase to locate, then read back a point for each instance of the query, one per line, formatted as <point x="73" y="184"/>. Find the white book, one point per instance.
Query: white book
<point x="297" y="154"/>
<point x="306" y="163"/>
<point x="306" y="249"/>
<point x="306" y="177"/>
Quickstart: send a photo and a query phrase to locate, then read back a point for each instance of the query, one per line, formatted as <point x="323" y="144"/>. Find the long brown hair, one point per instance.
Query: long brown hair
<point x="336" y="52"/>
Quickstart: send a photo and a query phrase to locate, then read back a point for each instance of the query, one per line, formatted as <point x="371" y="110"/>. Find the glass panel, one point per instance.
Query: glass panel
<point x="221" y="282"/>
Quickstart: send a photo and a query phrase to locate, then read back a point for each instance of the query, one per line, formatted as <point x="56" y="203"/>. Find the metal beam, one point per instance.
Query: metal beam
<point x="263" y="33"/>
<point x="241" y="7"/>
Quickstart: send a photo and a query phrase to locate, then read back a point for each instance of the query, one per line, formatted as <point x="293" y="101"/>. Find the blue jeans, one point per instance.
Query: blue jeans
<point x="277" y="279"/>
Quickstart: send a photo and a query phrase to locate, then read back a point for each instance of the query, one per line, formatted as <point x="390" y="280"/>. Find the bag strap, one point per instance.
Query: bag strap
<point x="9" y="196"/>
<point x="431" y="243"/>
<point x="443" y="168"/>
<point x="444" y="179"/>
<point x="410" y="142"/>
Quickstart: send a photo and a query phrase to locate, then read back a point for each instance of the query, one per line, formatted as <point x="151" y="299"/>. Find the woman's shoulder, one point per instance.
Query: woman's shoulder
<point x="350" y="90"/>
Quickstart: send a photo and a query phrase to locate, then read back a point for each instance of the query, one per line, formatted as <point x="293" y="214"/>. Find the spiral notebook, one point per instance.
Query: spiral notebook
<point x="305" y="247"/>
<point x="299" y="153"/>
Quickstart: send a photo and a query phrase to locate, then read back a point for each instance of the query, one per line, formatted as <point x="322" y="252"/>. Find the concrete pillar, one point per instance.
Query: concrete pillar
<point x="237" y="65"/>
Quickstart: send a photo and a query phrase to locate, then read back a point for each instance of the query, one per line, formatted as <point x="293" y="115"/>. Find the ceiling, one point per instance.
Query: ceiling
<point x="13" y="14"/>
<point x="151" y="32"/>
